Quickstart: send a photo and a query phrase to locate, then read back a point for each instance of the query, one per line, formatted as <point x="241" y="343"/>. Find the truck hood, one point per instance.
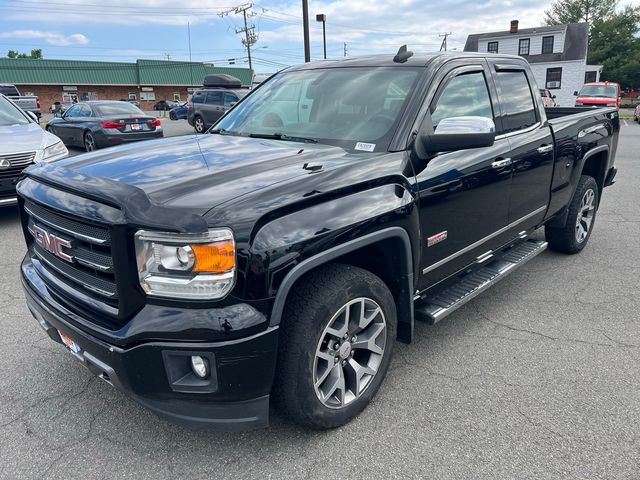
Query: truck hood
<point x="202" y="172"/>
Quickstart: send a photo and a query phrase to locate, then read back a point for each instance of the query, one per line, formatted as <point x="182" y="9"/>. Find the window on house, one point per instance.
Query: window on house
<point x="132" y="96"/>
<point x="517" y="101"/>
<point x="492" y="47"/>
<point x="547" y="44"/>
<point x="590" y="77"/>
<point x="176" y="97"/>
<point x="554" y="78"/>
<point x="523" y="48"/>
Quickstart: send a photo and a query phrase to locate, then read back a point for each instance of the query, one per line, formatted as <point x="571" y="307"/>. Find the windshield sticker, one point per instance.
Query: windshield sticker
<point x="366" y="147"/>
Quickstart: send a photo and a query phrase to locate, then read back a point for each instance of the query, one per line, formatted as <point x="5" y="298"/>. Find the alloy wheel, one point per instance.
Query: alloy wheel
<point x="349" y="353"/>
<point x="89" y="143"/>
<point x="199" y="124"/>
<point x="585" y="215"/>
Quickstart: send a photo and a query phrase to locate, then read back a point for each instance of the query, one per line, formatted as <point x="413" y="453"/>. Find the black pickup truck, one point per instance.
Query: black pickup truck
<point x="279" y="257"/>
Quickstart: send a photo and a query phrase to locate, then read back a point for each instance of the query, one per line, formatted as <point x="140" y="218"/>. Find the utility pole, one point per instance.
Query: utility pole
<point x="168" y="55"/>
<point x="250" y="36"/>
<point x="305" y="30"/>
<point x="443" y="46"/>
<point x="345" y="49"/>
<point x="321" y="17"/>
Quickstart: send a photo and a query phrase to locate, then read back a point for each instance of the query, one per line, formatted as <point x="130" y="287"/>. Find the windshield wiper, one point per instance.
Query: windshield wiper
<point x="283" y="136"/>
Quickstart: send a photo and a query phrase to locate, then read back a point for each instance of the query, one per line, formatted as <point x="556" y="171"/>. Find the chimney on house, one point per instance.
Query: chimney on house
<point x="514" y="26"/>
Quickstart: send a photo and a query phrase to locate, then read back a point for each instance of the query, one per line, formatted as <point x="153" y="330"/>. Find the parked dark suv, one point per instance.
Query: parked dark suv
<point x="208" y="104"/>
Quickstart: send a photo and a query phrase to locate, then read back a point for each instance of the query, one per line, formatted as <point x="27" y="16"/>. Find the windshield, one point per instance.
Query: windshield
<point x="349" y="107"/>
<point x="607" y="91"/>
<point x="10" y="114"/>
<point x="117" y="108"/>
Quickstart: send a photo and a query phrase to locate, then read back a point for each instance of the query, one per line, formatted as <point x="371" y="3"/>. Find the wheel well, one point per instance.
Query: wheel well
<point x="387" y="259"/>
<point x="595" y="167"/>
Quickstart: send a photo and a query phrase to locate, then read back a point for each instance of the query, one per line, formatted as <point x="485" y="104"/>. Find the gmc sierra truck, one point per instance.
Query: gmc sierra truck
<point x="280" y="256"/>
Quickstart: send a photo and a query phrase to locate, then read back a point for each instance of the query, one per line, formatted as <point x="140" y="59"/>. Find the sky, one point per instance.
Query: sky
<point x="118" y="30"/>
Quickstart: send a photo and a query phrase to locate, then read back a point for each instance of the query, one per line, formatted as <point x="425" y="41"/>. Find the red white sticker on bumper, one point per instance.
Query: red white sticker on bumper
<point x="437" y="238"/>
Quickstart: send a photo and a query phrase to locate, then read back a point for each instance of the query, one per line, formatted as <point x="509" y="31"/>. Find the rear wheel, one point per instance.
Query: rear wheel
<point x="336" y="343"/>
<point x="89" y="142"/>
<point x="198" y="124"/>
<point x="573" y="237"/>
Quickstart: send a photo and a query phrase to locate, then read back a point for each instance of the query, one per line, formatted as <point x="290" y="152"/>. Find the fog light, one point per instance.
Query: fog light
<point x="200" y="366"/>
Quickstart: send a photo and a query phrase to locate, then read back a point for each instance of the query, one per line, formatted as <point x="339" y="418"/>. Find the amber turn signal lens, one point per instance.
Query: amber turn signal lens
<point x="214" y="257"/>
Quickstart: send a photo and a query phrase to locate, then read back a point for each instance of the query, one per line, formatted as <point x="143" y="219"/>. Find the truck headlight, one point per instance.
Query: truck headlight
<point x="190" y="266"/>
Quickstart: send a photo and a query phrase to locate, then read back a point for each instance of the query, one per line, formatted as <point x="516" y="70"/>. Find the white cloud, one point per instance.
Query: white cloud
<point x="52" y="38"/>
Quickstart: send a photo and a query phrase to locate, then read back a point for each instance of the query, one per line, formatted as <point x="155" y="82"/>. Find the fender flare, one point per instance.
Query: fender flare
<point x="405" y="302"/>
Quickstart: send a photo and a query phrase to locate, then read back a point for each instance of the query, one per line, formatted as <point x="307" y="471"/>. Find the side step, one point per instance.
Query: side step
<point x="433" y="309"/>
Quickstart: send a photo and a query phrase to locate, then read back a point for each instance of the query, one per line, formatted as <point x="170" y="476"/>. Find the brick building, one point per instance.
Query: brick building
<point x="146" y="81"/>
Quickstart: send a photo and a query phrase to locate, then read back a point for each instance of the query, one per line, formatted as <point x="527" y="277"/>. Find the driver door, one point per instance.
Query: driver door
<point x="64" y="127"/>
<point x="464" y="194"/>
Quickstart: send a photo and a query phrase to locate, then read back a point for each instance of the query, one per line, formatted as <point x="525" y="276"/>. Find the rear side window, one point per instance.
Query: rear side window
<point x="464" y="95"/>
<point x="214" y="98"/>
<point x="518" y="106"/>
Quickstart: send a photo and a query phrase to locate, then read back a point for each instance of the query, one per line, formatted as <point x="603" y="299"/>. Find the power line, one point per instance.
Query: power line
<point x="249" y="30"/>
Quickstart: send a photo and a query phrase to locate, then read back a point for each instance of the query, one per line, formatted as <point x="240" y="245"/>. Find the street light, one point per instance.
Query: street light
<point x="321" y="17"/>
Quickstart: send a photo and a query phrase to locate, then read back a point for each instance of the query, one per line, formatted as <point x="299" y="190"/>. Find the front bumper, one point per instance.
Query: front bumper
<point x="157" y="374"/>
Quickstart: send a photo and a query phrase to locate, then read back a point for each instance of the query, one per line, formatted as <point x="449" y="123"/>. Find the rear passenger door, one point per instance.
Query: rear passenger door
<point x="212" y="108"/>
<point x="524" y="124"/>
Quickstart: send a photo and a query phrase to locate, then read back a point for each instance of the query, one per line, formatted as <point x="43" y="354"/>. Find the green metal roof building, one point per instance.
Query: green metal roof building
<point x="27" y="71"/>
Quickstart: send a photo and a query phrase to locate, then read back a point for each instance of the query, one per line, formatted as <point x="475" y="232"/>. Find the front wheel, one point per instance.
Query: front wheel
<point x="573" y="237"/>
<point x="198" y="124"/>
<point x="336" y="343"/>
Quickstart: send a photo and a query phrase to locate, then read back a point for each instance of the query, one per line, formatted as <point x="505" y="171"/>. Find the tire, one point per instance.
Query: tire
<point x="573" y="237"/>
<point x="89" y="142"/>
<point x="172" y="116"/>
<point x="198" y="124"/>
<point x="312" y="354"/>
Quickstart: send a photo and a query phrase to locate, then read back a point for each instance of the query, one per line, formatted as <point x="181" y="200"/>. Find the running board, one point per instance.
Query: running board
<point x="433" y="309"/>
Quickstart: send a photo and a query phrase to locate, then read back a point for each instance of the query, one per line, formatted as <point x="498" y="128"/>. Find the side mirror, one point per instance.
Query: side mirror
<point x="33" y="116"/>
<point x="553" y="96"/>
<point x="621" y="94"/>
<point x="575" y="93"/>
<point x="232" y="104"/>
<point x="456" y="133"/>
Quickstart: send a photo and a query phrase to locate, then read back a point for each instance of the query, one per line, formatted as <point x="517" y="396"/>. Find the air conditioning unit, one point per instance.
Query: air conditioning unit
<point x="553" y="84"/>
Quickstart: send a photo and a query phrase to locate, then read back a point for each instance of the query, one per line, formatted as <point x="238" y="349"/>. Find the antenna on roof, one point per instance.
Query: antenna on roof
<point x="403" y="55"/>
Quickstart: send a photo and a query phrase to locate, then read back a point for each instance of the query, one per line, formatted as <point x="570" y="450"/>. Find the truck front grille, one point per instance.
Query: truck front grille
<point x="81" y="271"/>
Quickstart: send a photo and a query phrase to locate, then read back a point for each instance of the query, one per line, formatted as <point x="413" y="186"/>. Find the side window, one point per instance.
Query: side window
<point x="214" y="98"/>
<point x="464" y="95"/>
<point x="73" y="111"/>
<point x="518" y="106"/>
<point x="229" y="99"/>
<point x="84" y="111"/>
<point x="198" y="97"/>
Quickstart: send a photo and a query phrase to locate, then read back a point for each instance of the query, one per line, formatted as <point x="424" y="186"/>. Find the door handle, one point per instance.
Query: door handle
<point x="505" y="162"/>
<point x="545" y="149"/>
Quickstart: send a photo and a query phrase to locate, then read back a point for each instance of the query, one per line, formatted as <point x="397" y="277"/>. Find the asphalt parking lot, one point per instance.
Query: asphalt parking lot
<point x="537" y="378"/>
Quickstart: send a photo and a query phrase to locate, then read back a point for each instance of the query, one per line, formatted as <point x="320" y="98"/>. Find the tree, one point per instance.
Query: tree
<point x="614" y="44"/>
<point x="35" y="53"/>
<point x="577" y="11"/>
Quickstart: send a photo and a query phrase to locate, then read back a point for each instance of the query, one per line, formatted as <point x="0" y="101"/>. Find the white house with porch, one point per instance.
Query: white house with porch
<point x="557" y="55"/>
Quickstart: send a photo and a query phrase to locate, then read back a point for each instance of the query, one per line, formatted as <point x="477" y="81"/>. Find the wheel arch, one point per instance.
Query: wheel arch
<point x="594" y="164"/>
<point x="397" y="275"/>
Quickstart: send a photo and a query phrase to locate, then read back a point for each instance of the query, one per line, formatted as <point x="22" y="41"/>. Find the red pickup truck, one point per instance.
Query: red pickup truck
<point x="599" y="94"/>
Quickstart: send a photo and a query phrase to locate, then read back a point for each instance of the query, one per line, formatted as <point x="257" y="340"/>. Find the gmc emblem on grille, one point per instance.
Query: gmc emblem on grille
<point x="51" y="242"/>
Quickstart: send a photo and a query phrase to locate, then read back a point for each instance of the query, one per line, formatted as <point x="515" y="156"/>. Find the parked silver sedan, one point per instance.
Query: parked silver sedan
<point x="22" y="143"/>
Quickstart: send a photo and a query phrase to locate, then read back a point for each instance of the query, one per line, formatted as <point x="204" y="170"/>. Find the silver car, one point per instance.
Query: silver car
<point x="22" y="143"/>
